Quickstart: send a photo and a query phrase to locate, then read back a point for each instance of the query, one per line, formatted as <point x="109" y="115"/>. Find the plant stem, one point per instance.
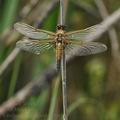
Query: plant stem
<point x="63" y="66"/>
<point x="64" y="88"/>
<point x="53" y="100"/>
<point x="62" y="17"/>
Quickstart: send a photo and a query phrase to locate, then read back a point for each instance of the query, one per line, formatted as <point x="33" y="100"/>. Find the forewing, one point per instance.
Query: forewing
<point x="33" y="46"/>
<point x="85" y="34"/>
<point x="32" y="32"/>
<point x="84" y="49"/>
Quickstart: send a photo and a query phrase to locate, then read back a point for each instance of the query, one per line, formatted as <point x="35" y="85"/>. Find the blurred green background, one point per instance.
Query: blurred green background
<point x="93" y="82"/>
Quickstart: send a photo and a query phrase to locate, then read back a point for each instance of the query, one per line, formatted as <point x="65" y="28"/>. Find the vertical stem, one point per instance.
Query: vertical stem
<point x="62" y="17"/>
<point x="64" y="88"/>
<point x="63" y="66"/>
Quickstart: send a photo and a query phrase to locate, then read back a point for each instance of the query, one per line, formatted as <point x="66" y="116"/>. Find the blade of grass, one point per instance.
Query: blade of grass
<point x="14" y="76"/>
<point x="9" y="11"/>
<point x="76" y="104"/>
<point x="53" y="99"/>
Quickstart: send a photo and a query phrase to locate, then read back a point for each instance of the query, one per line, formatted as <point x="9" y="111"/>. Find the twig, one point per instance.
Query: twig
<point x="8" y="60"/>
<point x="112" y="32"/>
<point x="114" y="68"/>
<point x="105" y="25"/>
<point x="64" y="87"/>
<point x="36" y="86"/>
<point x="62" y="17"/>
<point x="63" y="64"/>
<point x="27" y="8"/>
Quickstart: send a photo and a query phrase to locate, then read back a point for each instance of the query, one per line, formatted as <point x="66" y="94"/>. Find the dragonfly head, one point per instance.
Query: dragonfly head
<point x="61" y="27"/>
<point x="60" y="35"/>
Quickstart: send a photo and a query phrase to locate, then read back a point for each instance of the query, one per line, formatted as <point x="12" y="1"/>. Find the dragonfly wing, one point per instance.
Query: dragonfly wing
<point x="84" y="49"/>
<point x="32" y="32"/>
<point x="85" y="34"/>
<point x="33" y="46"/>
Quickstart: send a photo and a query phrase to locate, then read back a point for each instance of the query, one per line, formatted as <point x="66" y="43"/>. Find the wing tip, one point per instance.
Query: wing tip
<point x="18" y="25"/>
<point x="15" y="26"/>
<point x="18" y="44"/>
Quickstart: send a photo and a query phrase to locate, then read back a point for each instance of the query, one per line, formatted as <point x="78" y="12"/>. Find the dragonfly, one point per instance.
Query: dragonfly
<point x="74" y="43"/>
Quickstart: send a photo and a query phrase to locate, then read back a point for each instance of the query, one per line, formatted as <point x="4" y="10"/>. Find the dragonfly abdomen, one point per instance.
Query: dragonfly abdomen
<point x="59" y="52"/>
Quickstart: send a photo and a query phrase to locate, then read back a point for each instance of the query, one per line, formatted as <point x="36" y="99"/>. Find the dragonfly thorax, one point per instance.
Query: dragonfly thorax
<point x="60" y="36"/>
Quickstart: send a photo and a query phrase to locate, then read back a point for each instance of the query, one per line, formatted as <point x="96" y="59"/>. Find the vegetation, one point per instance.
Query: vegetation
<point x="29" y="86"/>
